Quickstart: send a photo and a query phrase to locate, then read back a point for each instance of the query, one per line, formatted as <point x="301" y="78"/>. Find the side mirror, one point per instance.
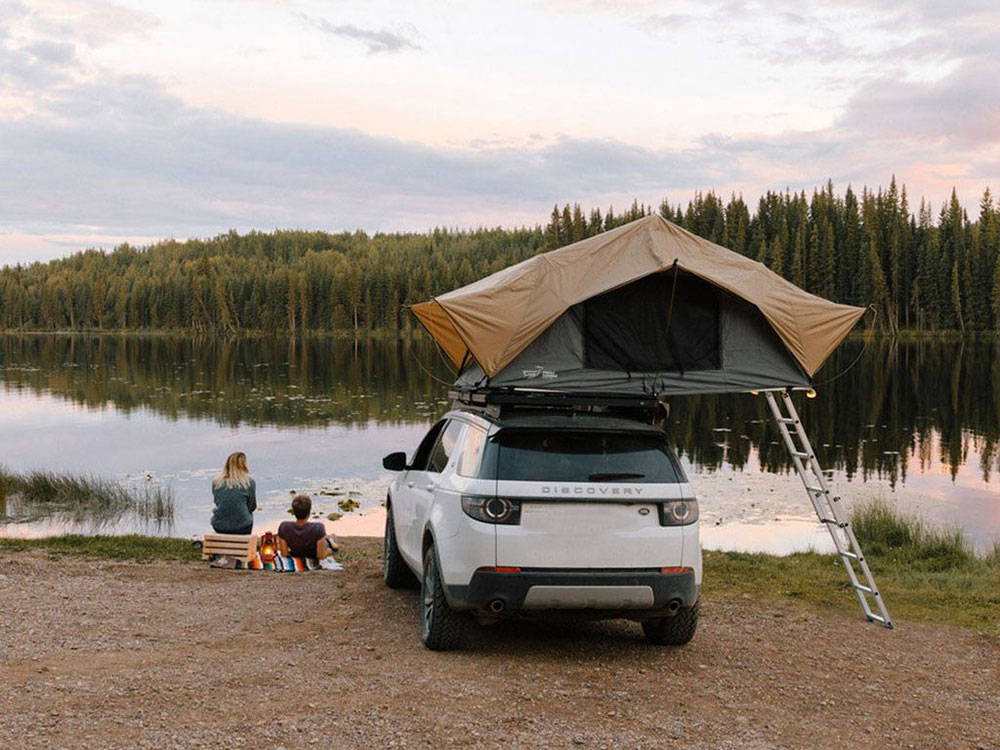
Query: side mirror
<point x="395" y="461"/>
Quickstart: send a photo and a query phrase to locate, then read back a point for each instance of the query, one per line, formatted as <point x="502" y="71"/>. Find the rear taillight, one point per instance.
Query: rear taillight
<point x="678" y="512"/>
<point x="489" y="509"/>
<point x="676" y="571"/>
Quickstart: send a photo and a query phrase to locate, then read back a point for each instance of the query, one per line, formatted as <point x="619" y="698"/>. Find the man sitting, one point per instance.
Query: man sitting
<point x="299" y="538"/>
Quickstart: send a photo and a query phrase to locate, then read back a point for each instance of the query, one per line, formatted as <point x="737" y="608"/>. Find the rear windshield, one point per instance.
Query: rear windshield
<point x="579" y="457"/>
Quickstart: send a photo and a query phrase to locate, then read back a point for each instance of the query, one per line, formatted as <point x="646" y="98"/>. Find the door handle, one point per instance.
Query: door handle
<point x="431" y="486"/>
<point x="409" y="484"/>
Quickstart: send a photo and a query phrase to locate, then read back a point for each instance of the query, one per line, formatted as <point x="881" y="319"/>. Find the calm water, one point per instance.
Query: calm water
<point x="916" y="424"/>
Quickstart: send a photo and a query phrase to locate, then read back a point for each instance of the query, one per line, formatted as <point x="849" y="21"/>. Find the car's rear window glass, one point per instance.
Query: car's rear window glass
<point x="584" y="456"/>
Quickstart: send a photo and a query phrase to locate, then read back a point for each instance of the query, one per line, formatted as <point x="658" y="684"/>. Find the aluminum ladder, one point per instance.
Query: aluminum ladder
<point x="827" y="506"/>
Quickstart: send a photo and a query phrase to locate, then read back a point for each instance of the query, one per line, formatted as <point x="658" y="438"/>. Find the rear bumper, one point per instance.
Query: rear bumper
<point x="638" y="592"/>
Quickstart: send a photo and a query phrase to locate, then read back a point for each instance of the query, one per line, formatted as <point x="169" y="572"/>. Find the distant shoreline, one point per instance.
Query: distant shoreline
<point x="187" y="333"/>
<point x="416" y="334"/>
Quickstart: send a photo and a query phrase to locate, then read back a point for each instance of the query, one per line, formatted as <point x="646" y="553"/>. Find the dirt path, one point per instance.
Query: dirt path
<point x="102" y="654"/>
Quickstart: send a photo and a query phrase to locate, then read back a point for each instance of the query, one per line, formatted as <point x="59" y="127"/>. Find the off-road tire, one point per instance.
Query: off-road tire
<point x="673" y="631"/>
<point x="441" y="627"/>
<point x="395" y="572"/>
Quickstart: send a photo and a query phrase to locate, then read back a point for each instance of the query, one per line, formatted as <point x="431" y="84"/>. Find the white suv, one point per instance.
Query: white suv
<point x="531" y="512"/>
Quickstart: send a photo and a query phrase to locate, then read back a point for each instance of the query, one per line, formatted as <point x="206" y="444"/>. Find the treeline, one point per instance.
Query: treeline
<point x="920" y="271"/>
<point x="285" y="281"/>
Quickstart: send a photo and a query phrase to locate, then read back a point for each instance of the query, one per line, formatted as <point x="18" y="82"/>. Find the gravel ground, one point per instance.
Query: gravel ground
<point x="109" y="654"/>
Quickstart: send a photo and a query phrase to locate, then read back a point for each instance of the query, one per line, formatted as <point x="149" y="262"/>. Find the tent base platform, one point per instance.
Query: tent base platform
<point x="495" y="401"/>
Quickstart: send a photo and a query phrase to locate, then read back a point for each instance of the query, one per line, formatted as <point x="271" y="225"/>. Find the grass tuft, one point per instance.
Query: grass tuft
<point x="885" y="533"/>
<point x="77" y="499"/>
<point x="993" y="556"/>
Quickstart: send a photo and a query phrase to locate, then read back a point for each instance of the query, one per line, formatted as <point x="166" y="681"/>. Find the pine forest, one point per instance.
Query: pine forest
<point x="921" y="269"/>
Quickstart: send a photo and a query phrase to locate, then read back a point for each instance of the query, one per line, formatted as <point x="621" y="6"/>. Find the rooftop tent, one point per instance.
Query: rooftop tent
<point x="646" y="308"/>
<point x="649" y="309"/>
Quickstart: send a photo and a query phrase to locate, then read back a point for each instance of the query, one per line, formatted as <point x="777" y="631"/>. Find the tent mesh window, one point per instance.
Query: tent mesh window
<point x="626" y="329"/>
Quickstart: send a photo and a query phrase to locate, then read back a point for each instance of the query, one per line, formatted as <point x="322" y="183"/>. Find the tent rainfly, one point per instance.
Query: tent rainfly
<point x="646" y="309"/>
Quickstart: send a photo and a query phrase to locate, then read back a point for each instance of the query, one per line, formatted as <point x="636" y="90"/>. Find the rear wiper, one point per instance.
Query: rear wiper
<point x="614" y="475"/>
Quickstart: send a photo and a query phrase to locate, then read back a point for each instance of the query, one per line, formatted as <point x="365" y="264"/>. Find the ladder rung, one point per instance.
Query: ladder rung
<point x="862" y="587"/>
<point x="801" y="454"/>
<point x="841" y="524"/>
<point x="815" y="489"/>
<point x="851" y="555"/>
<point x="876" y="618"/>
<point x="787" y="420"/>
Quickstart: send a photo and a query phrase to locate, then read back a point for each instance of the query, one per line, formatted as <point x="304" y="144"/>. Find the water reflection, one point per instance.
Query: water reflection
<point x="900" y="405"/>
<point x="313" y="411"/>
<point x="899" y="402"/>
<point x="289" y="382"/>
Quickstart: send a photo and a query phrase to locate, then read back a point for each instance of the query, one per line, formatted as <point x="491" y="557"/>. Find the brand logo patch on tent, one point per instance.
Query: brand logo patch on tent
<point x="539" y="372"/>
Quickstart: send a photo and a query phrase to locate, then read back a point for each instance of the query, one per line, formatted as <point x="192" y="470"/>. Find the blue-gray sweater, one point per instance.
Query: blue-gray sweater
<point x="234" y="507"/>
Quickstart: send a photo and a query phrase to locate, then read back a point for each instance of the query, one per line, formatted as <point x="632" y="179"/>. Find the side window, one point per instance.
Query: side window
<point x="423" y="452"/>
<point x="445" y="447"/>
<point x="472" y="451"/>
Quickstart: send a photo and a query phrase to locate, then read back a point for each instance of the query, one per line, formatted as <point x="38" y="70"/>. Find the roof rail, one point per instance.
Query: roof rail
<point x="495" y="400"/>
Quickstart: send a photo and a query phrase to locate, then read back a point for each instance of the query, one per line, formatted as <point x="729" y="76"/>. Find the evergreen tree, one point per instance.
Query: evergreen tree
<point x="849" y="259"/>
<point x="956" y="296"/>
<point x="996" y="295"/>
<point x="776" y="256"/>
<point x="797" y="271"/>
<point x="552" y="235"/>
<point x="879" y="288"/>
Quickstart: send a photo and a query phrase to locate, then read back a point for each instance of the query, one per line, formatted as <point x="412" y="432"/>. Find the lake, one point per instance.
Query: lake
<point x="915" y="423"/>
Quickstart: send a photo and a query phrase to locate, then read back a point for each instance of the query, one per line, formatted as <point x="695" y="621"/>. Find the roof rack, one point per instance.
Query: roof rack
<point x="495" y="401"/>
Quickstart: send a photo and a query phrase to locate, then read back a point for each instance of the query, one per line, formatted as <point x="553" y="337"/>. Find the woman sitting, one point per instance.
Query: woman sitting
<point x="300" y="538"/>
<point x="235" y="496"/>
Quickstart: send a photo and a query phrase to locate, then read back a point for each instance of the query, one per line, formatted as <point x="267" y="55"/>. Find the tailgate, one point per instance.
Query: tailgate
<point x="570" y="530"/>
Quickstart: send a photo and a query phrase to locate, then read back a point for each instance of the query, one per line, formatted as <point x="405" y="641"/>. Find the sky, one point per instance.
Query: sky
<point x="140" y="120"/>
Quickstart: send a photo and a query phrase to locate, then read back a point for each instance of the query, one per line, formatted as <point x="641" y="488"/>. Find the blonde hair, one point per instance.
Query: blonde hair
<point x="235" y="473"/>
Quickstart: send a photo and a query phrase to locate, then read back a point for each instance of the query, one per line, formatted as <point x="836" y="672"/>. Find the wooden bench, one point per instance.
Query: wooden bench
<point x="238" y="546"/>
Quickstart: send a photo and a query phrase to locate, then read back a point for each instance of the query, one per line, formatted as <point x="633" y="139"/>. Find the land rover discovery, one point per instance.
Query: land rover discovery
<point x="499" y="516"/>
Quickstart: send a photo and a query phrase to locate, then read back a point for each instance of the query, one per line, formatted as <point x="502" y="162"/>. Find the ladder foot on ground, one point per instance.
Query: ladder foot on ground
<point x="826" y="506"/>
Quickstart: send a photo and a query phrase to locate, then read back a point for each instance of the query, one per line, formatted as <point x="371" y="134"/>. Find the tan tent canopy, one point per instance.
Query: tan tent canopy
<point x="493" y="320"/>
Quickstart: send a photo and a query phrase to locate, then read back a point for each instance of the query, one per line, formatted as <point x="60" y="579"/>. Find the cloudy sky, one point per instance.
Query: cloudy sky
<point x="142" y="120"/>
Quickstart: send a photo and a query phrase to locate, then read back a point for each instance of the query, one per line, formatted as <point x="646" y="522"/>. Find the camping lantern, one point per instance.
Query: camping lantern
<point x="268" y="548"/>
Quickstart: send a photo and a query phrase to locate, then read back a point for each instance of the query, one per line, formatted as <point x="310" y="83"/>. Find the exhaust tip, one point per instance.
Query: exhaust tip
<point x="497" y="606"/>
<point x="673" y="606"/>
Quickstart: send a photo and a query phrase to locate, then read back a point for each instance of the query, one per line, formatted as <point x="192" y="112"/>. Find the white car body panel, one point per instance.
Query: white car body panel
<point x="558" y="531"/>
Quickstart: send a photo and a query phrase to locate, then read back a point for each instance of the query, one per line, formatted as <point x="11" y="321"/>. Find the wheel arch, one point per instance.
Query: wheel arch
<point x="426" y="541"/>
